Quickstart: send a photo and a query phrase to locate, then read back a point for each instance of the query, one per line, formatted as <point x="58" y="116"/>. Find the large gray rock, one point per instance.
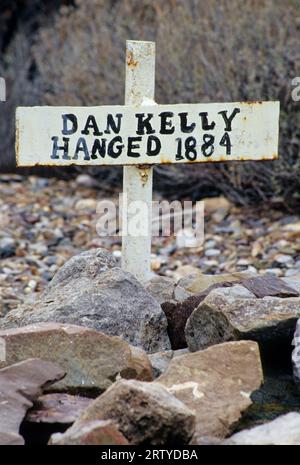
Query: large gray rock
<point x="235" y="313"/>
<point x="88" y="291"/>
<point x="146" y="413"/>
<point x="296" y="354"/>
<point x="20" y="385"/>
<point x="88" y="264"/>
<point x="283" y="431"/>
<point x="216" y="384"/>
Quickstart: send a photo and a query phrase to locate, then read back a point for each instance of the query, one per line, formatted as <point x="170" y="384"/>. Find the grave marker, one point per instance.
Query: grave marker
<point x="141" y="134"/>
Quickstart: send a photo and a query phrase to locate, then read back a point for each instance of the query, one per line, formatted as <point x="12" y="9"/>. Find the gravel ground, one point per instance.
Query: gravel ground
<point x="43" y="222"/>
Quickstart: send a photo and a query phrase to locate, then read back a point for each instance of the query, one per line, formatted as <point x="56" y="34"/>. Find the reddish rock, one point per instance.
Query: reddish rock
<point x="93" y="433"/>
<point x="57" y="408"/>
<point x="216" y="384"/>
<point x="20" y="385"/>
<point x="91" y="359"/>
<point x="146" y="413"/>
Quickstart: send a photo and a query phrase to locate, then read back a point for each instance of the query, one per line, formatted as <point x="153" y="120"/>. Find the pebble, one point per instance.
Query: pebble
<point x="284" y="259"/>
<point x="86" y="204"/>
<point x="291" y="272"/>
<point x="117" y="253"/>
<point x="85" y="180"/>
<point x="7" y="247"/>
<point x="212" y="252"/>
<point x="211" y="244"/>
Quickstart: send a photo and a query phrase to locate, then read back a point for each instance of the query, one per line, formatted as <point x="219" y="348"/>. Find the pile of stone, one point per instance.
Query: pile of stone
<point x="101" y="359"/>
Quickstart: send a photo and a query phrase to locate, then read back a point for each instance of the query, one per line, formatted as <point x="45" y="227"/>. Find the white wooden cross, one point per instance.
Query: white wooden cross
<point x="141" y="134"/>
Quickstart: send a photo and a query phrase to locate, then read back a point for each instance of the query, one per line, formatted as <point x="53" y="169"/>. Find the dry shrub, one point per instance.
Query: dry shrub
<point x="219" y="50"/>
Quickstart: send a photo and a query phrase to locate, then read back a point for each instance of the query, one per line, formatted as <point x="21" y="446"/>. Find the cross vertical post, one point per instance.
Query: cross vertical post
<point x="137" y="180"/>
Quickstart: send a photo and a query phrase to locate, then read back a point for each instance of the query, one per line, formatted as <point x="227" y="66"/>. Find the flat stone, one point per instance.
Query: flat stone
<point x="93" y="433"/>
<point x="262" y="286"/>
<point x="201" y="282"/>
<point x="216" y="384"/>
<point x="91" y="359"/>
<point x="146" y="413"/>
<point x="21" y="384"/>
<point x="57" y="408"/>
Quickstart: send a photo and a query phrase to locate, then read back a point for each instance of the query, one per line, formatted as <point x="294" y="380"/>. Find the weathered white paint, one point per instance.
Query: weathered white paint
<point x="253" y="136"/>
<point x="137" y="182"/>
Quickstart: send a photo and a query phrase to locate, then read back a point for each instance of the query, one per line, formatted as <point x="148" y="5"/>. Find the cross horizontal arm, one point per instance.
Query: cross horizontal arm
<point x="138" y="134"/>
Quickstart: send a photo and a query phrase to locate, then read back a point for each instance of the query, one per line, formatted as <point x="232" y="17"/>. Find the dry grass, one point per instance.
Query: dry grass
<point x="221" y="50"/>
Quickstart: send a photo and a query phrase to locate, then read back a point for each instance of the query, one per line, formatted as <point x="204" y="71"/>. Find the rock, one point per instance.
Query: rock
<point x="160" y="362"/>
<point x="293" y="281"/>
<point x="216" y="384"/>
<point x="20" y="385"/>
<point x="198" y="440"/>
<point x="180" y="294"/>
<point x="85" y="180"/>
<point x="86" y="204"/>
<point x="269" y="286"/>
<point x="185" y="271"/>
<point x="93" y="433"/>
<point x="283" y="431"/>
<point x="217" y="204"/>
<point x="274" y="272"/>
<point x="93" y="361"/>
<point x="161" y="288"/>
<point x="88" y="292"/>
<point x="57" y="408"/>
<point x="187" y="238"/>
<point x="146" y="413"/>
<point x="212" y="252"/>
<point x="296" y="354"/>
<point x="235" y="313"/>
<point x="210" y="244"/>
<point x="178" y="313"/>
<point x="291" y="272"/>
<point x="7" y="247"/>
<point x="87" y="264"/>
<point x="283" y="259"/>
<point x="141" y="366"/>
<point x="201" y="282"/>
